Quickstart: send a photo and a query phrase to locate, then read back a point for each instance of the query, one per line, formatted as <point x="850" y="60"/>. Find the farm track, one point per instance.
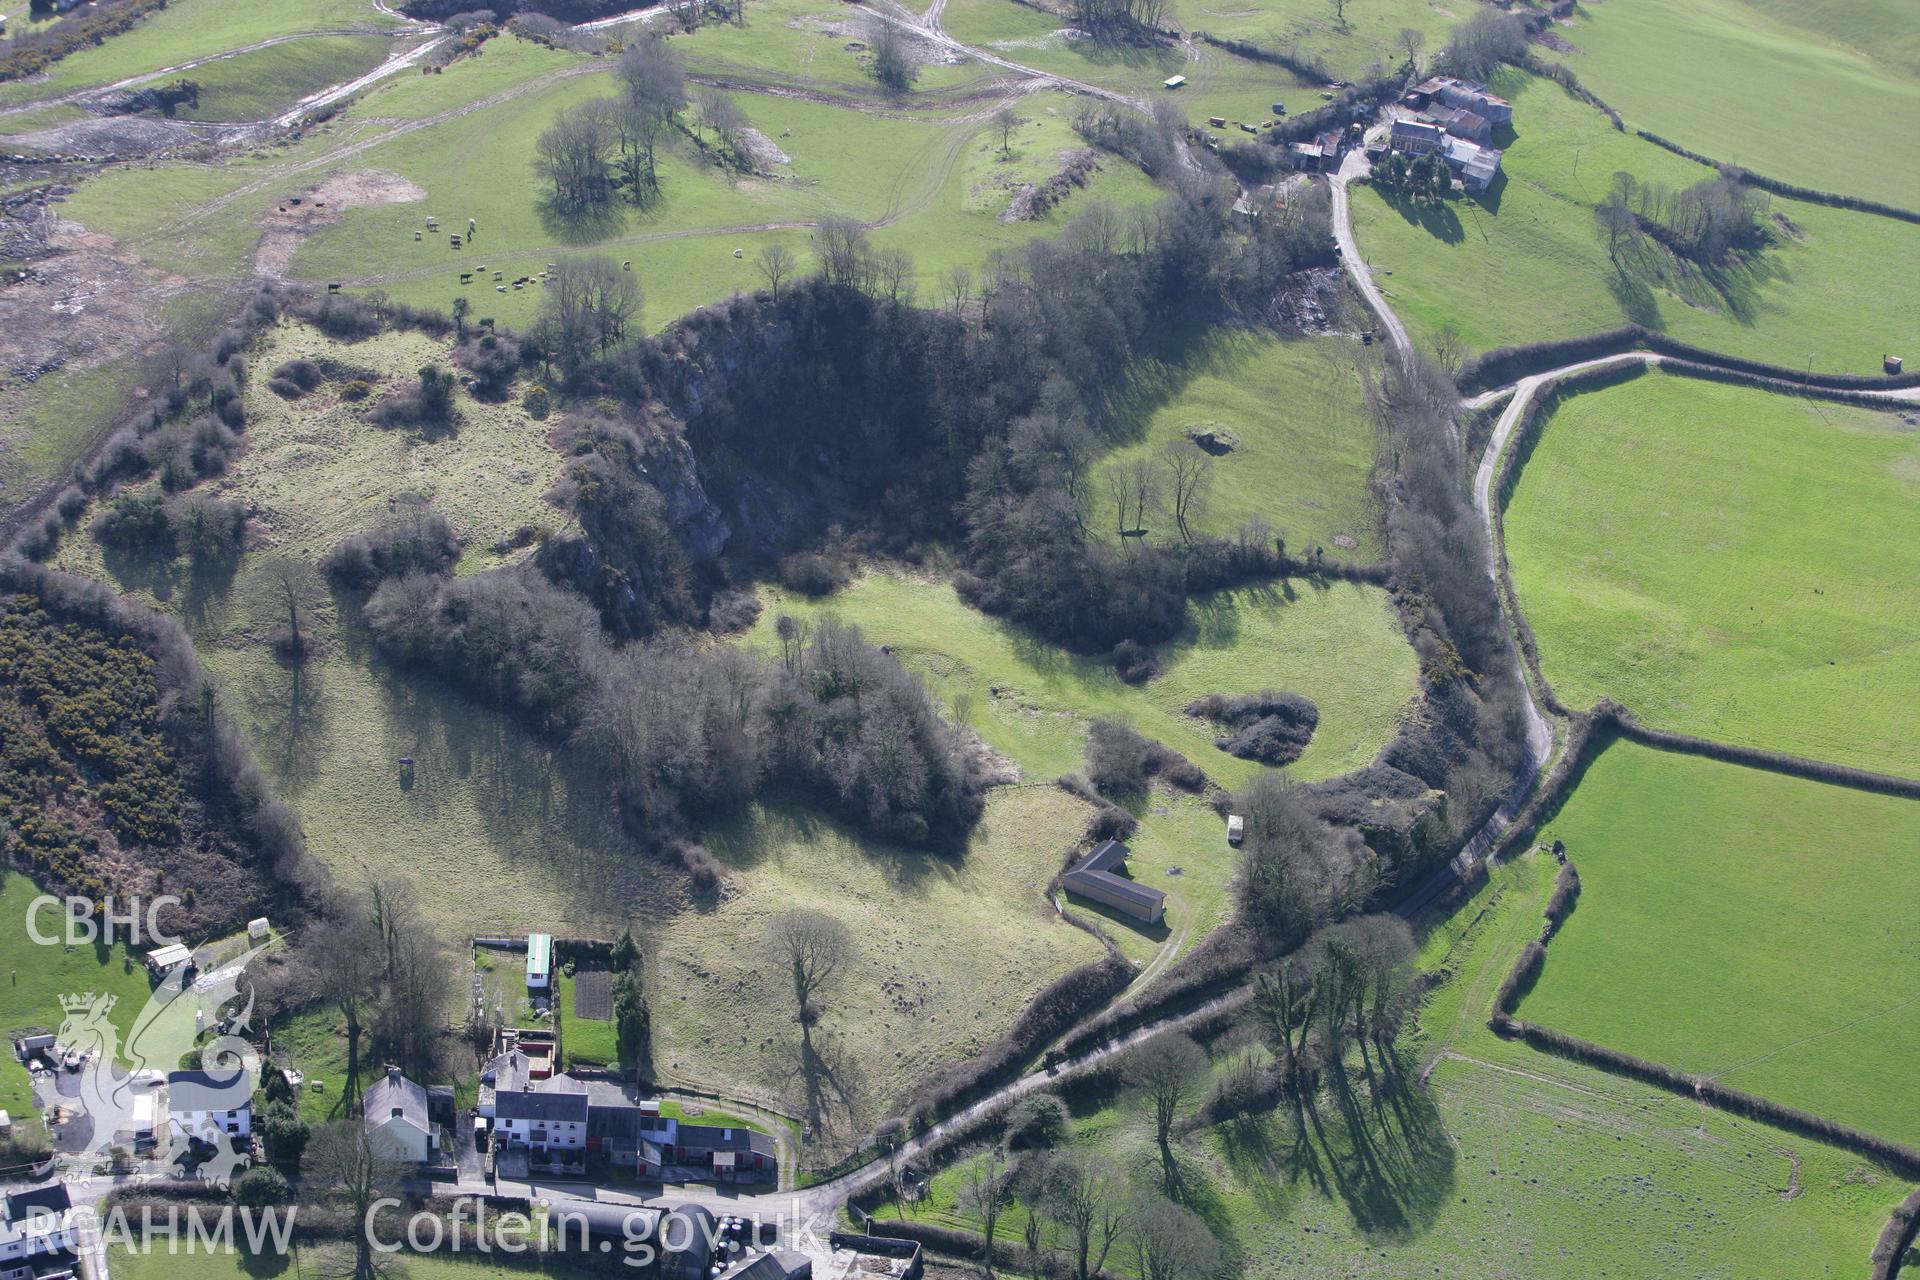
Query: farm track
<point x="79" y="97"/>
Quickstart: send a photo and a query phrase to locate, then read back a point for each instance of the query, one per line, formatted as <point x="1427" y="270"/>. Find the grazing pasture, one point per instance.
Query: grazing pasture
<point x="1218" y="82"/>
<point x="1728" y="563"/>
<point x="1339" y="644"/>
<point x="1743" y="925"/>
<point x="1531" y="1165"/>
<point x="928" y="930"/>
<point x="1526" y="262"/>
<point x="1707" y="75"/>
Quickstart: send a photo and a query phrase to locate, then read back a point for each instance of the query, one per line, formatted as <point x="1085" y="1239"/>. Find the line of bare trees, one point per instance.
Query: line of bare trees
<point x="597" y="149"/>
<point x="376" y="959"/>
<point x="1351" y="986"/>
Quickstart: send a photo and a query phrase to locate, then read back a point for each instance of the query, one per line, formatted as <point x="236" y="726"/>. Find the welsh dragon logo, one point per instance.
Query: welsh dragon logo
<point x="165" y="1037"/>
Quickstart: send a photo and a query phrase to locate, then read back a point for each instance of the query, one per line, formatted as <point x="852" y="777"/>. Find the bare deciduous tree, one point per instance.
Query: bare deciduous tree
<point x="345" y="956"/>
<point x="1167" y="1071"/>
<point x="813" y="947"/>
<point x="296" y="593"/>
<point x="956" y="286"/>
<point x="775" y="262"/>
<point x="893" y="64"/>
<point x="346" y="1162"/>
<point x="572" y="155"/>
<point x="983" y="1193"/>
<point x="1131" y="489"/>
<point x="1411" y="41"/>
<point x="1189" y="479"/>
<point x="588" y="304"/>
<point x="1170" y="1242"/>
<point x="721" y="114"/>
<point x="1088" y="1200"/>
<point x="1005" y="121"/>
<point x="841" y="246"/>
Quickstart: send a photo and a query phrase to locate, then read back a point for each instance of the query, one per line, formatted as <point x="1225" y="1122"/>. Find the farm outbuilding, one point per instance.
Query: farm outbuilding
<point x="1096" y="877"/>
<point x="1173" y="82"/>
<point x="539" y="961"/>
<point x="164" y="959"/>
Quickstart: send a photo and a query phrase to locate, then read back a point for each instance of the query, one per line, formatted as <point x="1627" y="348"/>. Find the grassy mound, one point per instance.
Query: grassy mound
<point x="1743" y="925"/>
<point x="1728" y="563"/>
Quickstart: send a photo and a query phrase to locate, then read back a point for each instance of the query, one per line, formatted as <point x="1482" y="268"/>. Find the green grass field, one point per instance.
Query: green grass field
<point x="1218" y="82"/>
<point x="1532" y="1166"/>
<point x="1370" y="31"/>
<point x="1728" y="563"/>
<point x="314" y="1043"/>
<point x="1306" y="439"/>
<point x="1340" y="645"/>
<point x="157" y="1263"/>
<point x="1526" y="262"/>
<point x="1746" y="926"/>
<point x="1031" y="704"/>
<point x="1876" y="28"/>
<point x="808" y="42"/>
<point x="925" y="927"/>
<point x="45" y="427"/>
<point x="1709" y="75"/>
<point x="38" y="976"/>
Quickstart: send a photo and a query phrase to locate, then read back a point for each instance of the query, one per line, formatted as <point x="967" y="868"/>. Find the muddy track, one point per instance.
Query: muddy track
<point x="81" y="96"/>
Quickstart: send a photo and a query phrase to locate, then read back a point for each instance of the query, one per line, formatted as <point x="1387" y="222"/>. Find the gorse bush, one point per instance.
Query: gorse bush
<point x="1271" y="727"/>
<point x="119" y="773"/>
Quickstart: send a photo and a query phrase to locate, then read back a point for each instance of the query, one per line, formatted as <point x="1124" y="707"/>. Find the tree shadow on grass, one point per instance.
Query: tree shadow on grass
<point x="1393" y="1167"/>
<point x="580" y="224"/>
<point x="833" y="1085"/>
<point x="1635" y="299"/>
<point x="1436" y="218"/>
<point x="156" y="571"/>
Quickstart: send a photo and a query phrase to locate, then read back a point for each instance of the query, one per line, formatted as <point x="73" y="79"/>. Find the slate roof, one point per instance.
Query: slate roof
<point x="52" y="1199"/>
<point x="200" y="1091"/>
<point x="546" y="1105"/>
<point x="713" y="1137"/>
<point x="395" y="1098"/>
<point x="1096" y="872"/>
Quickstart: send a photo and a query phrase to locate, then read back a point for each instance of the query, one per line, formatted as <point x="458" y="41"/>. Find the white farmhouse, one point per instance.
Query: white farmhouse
<point x="395" y="1112"/>
<point x="546" y="1123"/>
<point x="204" y="1107"/>
<point x="39" y="1239"/>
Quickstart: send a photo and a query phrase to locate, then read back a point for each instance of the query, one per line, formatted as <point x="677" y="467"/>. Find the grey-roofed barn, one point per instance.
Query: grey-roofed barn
<point x="1095" y="878"/>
